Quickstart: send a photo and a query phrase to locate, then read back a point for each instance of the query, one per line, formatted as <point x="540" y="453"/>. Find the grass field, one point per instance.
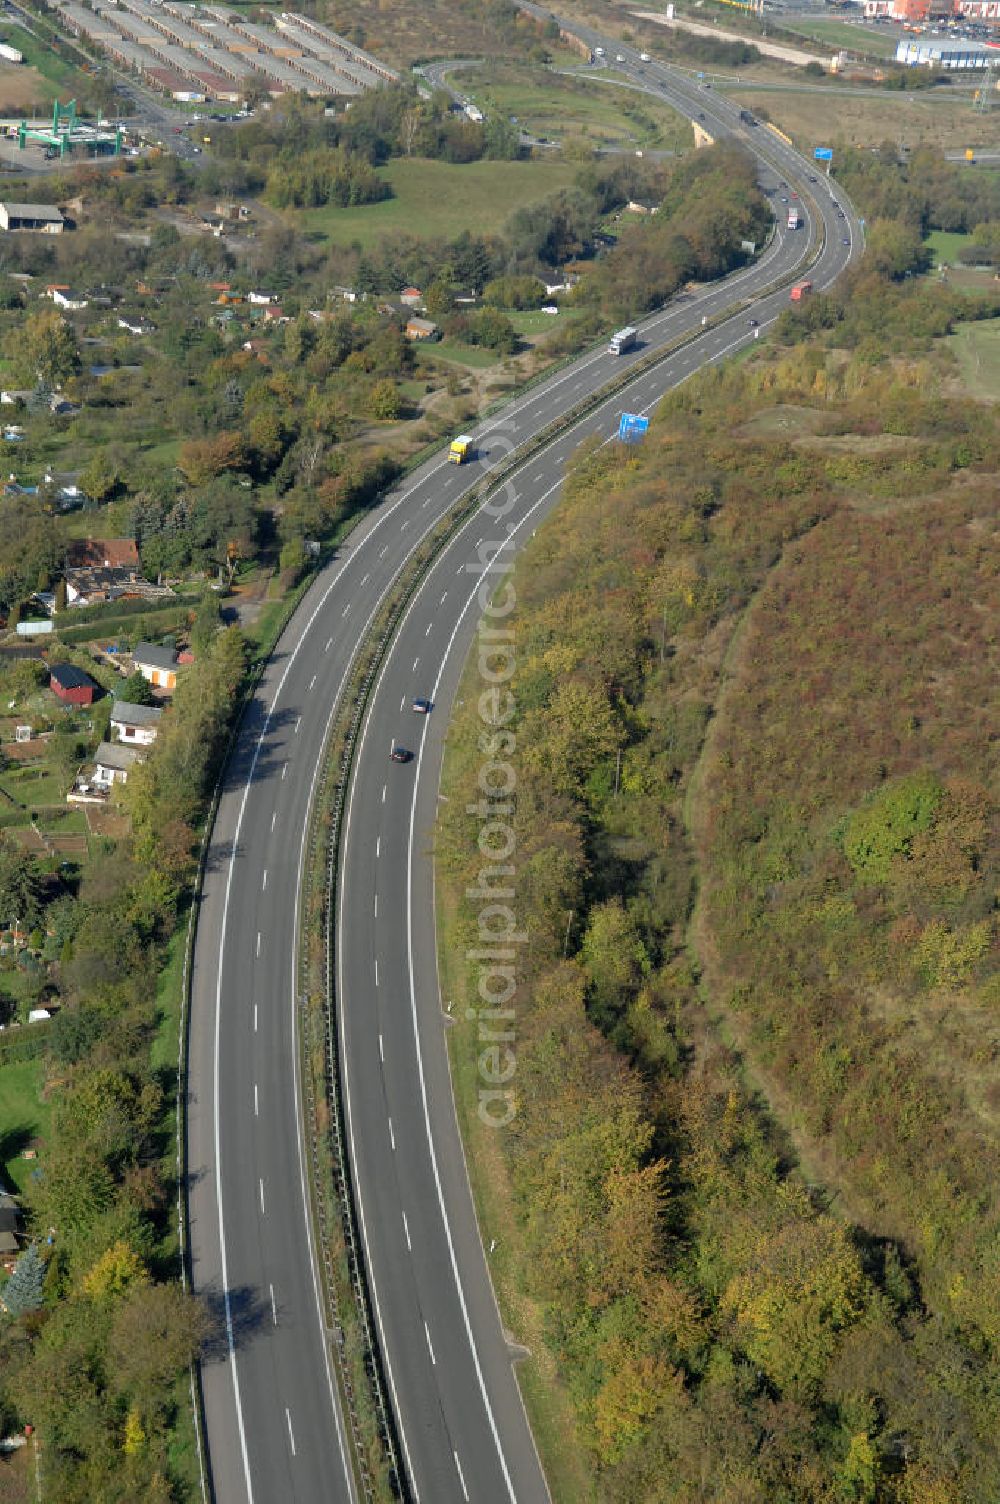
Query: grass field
<point x="439" y="200"/>
<point x="977" y="348"/>
<point x="553" y="105"/>
<point x="23" y="1116"/>
<point x="56" y="76"/>
<point x="23" y="88"/>
<point x="842" y="34"/>
<point x="929" y="118"/>
<point x="946" y="245"/>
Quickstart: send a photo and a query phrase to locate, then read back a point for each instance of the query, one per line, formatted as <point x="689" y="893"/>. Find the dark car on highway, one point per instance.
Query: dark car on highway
<point x="401" y="754"/>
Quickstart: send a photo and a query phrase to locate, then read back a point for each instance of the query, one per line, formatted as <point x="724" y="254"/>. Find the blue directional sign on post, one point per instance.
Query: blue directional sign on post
<point x="823" y="154"/>
<point x="631" y="428"/>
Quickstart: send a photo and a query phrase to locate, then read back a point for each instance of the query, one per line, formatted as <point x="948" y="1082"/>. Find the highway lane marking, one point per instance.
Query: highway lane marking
<point x="415" y="662"/>
<point x="256" y="1105"/>
<point x="461" y="1477"/>
<point x="376" y="971"/>
<point x="384" y="551"/>
<point x="384" y="787"/>
<point x="444" y="598"/>
<point x="461" y="569"/>
<point x="418" y="1050"/>
<point x="274" y="1306"/>
<point x="402" y="702"/>
<point x="298" y="723"/>
<point x="312" y="682"/>
<point x="291" y="1433"/>
<point x="392" y="1137"/>
<point x="376" y="905"/>
<point x="274" y="814"/>
<point x="381" y="1050"/>
<point x="430" y="1347"/>
<point x="406" y="1230"/>
<point x="346" y="609"/>
<point x="378" y="845"/>
<point x="255" y="1018"/>
<point x="366" y="578"/>
<point x="258" y="942"/>
<point x="284" y="770"/>
<point x="404" y="524"/>
<point x="430" y="624"/>
<point x="263" y="886"/>
<point x="261" y="1184"/>
<point x="329" y="644"/>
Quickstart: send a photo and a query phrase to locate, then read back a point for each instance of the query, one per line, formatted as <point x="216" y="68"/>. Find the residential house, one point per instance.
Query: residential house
<point x="275" y="314"/>
<point x="71" y="684"/>
<point x="67" y="298"/>
<point x="421" y="329"/>
<point x="412" y="297"/>
<point x="95" y="584"/>
<point x="158" y="666"/>
<point x="12" y="396"/>
<point x="258" y="349"/>
<point x="262" y="299"/>
<point x="62" y="490"/>
<point x="641" y="206"/>
<point x="136" y="725"/>
<point x="132" y="325"/>
<point x="112" y="764"/>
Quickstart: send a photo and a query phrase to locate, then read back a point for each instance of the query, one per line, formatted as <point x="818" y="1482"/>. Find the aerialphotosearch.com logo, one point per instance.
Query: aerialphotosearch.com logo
<point x="499" y="935"/>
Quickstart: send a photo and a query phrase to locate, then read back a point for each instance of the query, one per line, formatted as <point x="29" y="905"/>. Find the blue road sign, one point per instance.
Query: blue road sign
<point x="823" y="154"/>
<point x="631" y="428"/>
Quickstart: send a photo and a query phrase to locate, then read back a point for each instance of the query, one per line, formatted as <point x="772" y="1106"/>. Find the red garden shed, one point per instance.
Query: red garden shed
<point x="72" y="684"/>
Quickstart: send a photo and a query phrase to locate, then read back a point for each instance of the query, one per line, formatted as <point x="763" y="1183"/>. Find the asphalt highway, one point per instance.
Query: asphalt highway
<point x="273" y="1422"/>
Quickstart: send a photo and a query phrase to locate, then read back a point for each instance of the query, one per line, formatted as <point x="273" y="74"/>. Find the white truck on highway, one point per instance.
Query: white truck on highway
<point x="622" y="340"/>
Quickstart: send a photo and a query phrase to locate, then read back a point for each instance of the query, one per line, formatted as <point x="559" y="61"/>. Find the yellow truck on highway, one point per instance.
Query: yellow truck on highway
<point x="462" y="449"/>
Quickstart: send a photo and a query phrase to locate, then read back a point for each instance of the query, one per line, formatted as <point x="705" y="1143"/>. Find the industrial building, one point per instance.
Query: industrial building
<point x="944" y="52"/>
<point x="196" y="52"/>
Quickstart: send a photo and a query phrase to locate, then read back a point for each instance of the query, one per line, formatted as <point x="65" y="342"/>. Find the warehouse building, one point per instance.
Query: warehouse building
<point x="944" y="52"/>
<point x="208" y="51"/>
<point x="44" y="218"/>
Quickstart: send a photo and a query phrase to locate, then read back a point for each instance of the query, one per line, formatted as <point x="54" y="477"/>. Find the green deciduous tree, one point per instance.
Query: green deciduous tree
<point x="44" y="348"/>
